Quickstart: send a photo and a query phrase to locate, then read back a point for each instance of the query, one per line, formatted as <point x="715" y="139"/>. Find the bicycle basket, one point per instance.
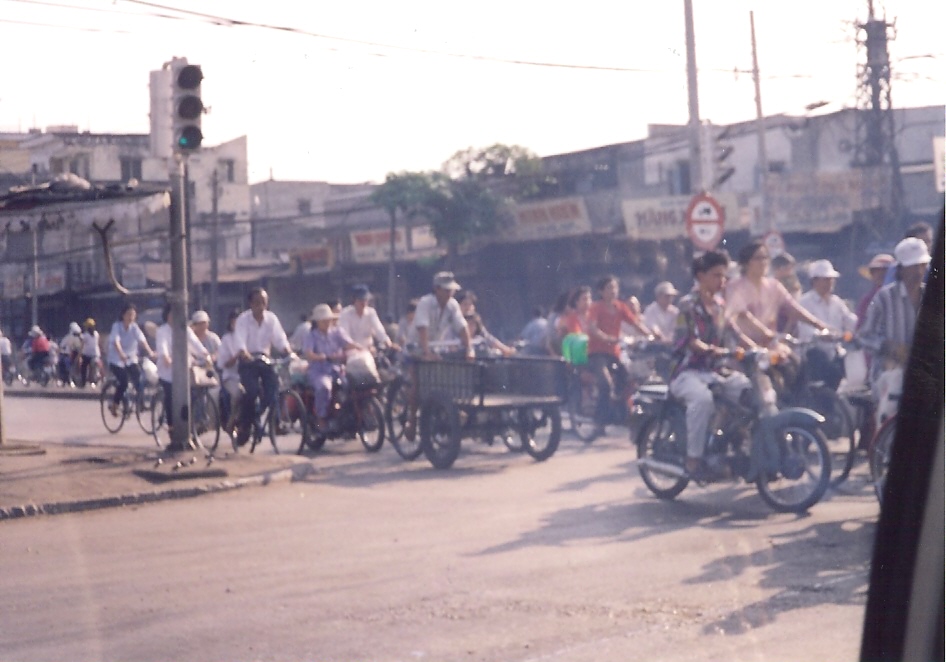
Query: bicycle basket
<point x="454" y="379"/>
<point x="525" y="376"/>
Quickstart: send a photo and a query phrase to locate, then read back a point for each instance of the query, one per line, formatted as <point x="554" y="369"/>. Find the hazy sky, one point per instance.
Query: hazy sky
<point x="387" y="91"/>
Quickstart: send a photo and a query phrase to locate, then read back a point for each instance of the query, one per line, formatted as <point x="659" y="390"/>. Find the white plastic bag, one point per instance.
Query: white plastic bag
<point x="150" y="371"/>
<point x="361" y="366"/>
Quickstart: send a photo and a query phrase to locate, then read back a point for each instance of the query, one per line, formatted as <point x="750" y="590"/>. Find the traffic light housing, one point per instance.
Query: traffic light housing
<point x="186" y="106"/>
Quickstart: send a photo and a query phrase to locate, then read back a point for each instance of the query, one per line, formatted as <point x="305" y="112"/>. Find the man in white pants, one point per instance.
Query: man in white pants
<point x="702" y="329"/>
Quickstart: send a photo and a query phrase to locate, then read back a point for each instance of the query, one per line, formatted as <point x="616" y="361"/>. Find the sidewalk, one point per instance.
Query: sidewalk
<point x="53" y="477"/>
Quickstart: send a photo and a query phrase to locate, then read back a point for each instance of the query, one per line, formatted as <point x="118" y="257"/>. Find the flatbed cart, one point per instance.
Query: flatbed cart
<point x="516" y="399"/>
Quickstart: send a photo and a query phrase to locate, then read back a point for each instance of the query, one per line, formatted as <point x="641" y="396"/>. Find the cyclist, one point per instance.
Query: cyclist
<point x="438" y="314"/>
<point x="164" y="348"/>
<point x="361" y="322"/>
<point x="605" y="317"/>
<point x="325" y="345"/>
<point x="200" y="324"/>
<point x="124" y="341"/>
<point x="39" y="349"/>
<point x="69" y="347"/>
<point x="256" y="331"/>
<point x="91" y="351"/>
<point x="701" y="334"/>
<point x="228" y="359"/>
<point x="661" y="314"/>
<point x="6" y="352"/>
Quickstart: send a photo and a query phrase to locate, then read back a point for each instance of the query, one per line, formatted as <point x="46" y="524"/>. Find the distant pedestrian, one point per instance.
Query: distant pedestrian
<point x="91" y="351"/>
<point x="535" y="334"/>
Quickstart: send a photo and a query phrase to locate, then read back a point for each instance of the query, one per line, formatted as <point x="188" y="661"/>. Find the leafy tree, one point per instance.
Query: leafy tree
<point x="403" y="196"/>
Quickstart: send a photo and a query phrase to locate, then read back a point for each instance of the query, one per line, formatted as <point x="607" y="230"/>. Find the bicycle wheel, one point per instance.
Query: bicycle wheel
<point x="582" y="396"/>
<point x="395" y="408"/>
<point x="289" y="429"/>
<point x="143" y="400"/>
<point x="113" y="422"/>
<point x="440" y="431"/>
<point x="540" y="429"/>
<point x="370" y="423"/>
<point x="158" y="416"/>
<point x="205" y="422"/>
<point x="804" y="471"/>
<point x="838" y="429"/>
<point x="878" y="455"/>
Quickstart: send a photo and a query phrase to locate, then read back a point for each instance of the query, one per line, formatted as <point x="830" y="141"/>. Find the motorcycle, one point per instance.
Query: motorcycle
<point x="642" y="361"/>
<point x="354" y="411"/>
<point x="784" y="453"/>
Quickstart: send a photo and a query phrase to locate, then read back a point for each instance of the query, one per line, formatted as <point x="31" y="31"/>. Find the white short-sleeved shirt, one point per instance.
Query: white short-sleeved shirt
<point x="129" y="339"/>
<point x="365" y="327"/>
<point x="164" y="347"/>
<point x="90" y="344"/>
<point x="439" y="321"/>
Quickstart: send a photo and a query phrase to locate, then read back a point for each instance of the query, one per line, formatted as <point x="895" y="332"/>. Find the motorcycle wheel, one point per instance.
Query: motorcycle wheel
<point x="804" y="470"/>
<point x="540" y="429"/>
<point x="662" y="438"/>
<point x="582" y="397"/>
<point x="43" y="378"/>
<point x="371" y="426"/>
<point x="878" y="455"/>
<point x="440" y="431"/>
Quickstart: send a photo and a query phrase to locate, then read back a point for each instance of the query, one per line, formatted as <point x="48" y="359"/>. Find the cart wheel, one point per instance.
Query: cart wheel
<point x="540" y="429"/>
<point x="440" y="431"/>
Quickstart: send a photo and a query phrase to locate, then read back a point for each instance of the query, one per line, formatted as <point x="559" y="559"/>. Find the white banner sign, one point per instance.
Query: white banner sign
<point x="563" y="217"/>
<point x="939" y="162"/>
<point x="369" y="246"/>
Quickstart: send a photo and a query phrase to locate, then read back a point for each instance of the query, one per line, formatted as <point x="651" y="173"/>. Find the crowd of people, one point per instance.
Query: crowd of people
<point x="750" y="301"/>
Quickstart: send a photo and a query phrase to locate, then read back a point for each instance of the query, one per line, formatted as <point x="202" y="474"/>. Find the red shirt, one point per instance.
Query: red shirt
<point x="608" y="318"/>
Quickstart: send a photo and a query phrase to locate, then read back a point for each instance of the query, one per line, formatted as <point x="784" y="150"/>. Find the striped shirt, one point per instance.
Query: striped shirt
<point x="891" y="319"/>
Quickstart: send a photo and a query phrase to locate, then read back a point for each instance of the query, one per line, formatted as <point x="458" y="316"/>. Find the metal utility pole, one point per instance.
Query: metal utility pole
<point x="215" y="238"/>
<point x="696" y="171"/>
<point x="34" y="295"/>
<point x="760" y="128"/>
<point x="179" y="418"/>
<point x="875" y="133"/>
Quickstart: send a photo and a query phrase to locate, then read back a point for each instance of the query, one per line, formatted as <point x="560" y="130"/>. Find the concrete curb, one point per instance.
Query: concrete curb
<point x="53" y="392"/>
<point x="291" y="474"/>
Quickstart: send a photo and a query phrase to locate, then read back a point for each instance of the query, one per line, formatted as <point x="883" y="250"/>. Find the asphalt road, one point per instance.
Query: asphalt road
<point x="500" y="558"/>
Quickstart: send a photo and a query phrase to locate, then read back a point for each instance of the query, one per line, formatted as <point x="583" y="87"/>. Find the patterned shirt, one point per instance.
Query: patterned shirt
<point x="695" y="322"/>
<point x="891" y="318"/>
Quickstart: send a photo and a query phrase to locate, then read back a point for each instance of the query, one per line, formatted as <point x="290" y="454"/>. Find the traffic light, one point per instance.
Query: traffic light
<point x="186" y="106"/>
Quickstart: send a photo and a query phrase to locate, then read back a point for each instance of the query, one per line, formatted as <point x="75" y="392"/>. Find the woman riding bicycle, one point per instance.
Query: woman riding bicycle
<point x="164" y="339"/>
<point x="323" y="348"/>
<point x="123" y="343"/>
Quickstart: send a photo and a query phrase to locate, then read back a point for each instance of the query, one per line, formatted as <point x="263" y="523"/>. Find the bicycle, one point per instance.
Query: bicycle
<point x="204" y="418"/>
<point x="284" y="418"/>
<point x="137" y="400"/>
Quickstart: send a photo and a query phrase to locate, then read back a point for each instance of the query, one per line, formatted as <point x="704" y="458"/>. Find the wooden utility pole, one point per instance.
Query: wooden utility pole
<point x="696" y="170"/>
<point x="760" y="129"/>
<point x="215" y="238"/>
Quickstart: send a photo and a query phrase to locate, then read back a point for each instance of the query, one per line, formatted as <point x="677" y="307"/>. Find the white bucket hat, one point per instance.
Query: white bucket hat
<point x="822" y="269"/>
<point x="911" y="251"/>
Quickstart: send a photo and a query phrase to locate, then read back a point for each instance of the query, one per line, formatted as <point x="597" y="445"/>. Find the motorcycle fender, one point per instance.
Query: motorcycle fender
<point x="797" y="416"/>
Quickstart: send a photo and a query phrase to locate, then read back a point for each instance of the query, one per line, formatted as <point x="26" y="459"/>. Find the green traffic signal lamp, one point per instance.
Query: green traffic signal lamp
<point x="189" y="138"/>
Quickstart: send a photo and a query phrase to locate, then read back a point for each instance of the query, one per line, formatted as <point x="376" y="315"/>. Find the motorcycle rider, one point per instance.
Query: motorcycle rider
<point x="39" y="349"/>
<point x="701" y="334"/>
<point x="891" y="316"/>
<point x="605" y="317"/>
<point x="823" y="303"/>
<point x="256" y="331"/>
<point x="323" y="348"/>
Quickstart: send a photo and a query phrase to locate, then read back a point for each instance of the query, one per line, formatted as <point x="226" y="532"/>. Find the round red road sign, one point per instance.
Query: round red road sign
<point x="706" y="220"/>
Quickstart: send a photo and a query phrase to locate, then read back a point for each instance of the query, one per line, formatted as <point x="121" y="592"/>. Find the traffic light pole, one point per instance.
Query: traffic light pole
<point x="179" y="419"/>
<point x="760" y="130"/>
